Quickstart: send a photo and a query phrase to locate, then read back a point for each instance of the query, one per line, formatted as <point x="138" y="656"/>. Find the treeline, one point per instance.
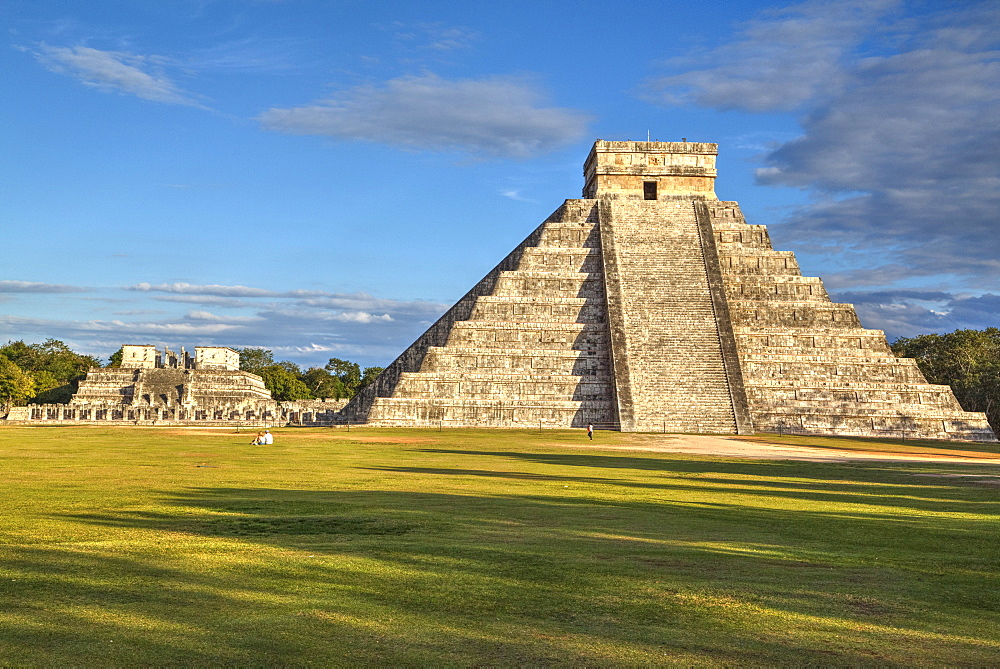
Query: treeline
<point x="49" y="373"/>
<point x="41" y="373"/>
<point x="338" y="379"/>
<point x="966" y="360"/>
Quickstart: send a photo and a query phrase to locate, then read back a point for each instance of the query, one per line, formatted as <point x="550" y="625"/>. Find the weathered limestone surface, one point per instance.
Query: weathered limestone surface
<point x="169" y="387"/>
<point x="153" y="387"/>
<point x="618" y="169"/>
<point x="526" y="347"/>
<point x="670" y="370"/>
<point x="808" y="365"/>
<point x="650" y="305"/>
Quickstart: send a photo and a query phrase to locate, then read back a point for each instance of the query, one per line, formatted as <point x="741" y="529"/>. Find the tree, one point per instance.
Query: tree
<point x="19" y="353"/>
<point x="348" y="372"/>
<point x="16" y="385"/>
<point x="350" y="375"/>
<point x="115" y="359"/>
<point x="966" y="360"/>
<point x="56" y="368"/>
<point x="254" y="360"/>
<point x="49" y="390"/>
<point x="322" y="383"/>
<point x="369" y="375"/>
<point x="284" y="385"/>
<point x="291" y="367"/>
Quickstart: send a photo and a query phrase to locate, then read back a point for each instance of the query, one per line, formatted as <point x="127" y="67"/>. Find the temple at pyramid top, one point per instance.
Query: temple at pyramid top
<point x="650" y="170"/>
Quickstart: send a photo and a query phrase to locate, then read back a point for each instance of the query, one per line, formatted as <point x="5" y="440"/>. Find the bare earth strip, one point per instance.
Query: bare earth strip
<point x="733" y="447"/>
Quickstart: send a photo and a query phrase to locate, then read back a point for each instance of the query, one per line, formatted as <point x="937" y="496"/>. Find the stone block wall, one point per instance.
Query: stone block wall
<point x="169" y="386"/>
<point x="808" y="365"/>
<point x="622" y="168"/>
<point x="527" y="347"/>
<point x="216" y="357"/>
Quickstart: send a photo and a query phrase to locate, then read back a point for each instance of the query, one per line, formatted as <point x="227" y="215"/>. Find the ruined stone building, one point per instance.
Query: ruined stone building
<point x="651" y="305"/>
<point x="171" y="385"/>
<point x="155" y="387"/>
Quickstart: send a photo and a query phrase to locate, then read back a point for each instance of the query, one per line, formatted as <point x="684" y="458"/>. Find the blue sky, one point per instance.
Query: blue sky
<point x="324" y="178"/>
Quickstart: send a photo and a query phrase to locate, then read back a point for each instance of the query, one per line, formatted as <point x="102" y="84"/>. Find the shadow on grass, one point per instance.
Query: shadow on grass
<point x="650" y="561"/>
<point x="976" y="448"/>
<point x="67" y="606"/>
<point x="882" y="484"/>
<point x="415" y="577"/>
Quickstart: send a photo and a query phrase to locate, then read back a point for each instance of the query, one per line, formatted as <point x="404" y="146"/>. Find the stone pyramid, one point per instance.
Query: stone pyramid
<point x="650" y="305"/>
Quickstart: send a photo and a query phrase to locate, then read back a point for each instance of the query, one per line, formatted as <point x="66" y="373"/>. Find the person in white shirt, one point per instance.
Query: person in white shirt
<point x="268" y="437"/>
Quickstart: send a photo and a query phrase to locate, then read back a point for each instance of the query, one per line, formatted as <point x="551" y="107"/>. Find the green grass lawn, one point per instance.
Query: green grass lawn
<point x="463" y="547"/>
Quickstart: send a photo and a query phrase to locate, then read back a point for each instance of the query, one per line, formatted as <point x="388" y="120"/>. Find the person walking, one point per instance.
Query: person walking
<point x="590" y="431"/>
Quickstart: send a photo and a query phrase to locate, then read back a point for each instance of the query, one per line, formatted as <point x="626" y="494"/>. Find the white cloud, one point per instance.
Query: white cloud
<point x="198" y="315"/>
<point x="433" y="36"/>
<point x="906" y="313"/>
<point x="497" y="116"/>
<point x="207" y="289"/>
<point x="514" y="194"/>
<point x="900" y="148"/>
<point x="128" y="73"/>
<point x="316" y="300"/>
<point x="791" y="57"/>
<point x="309" y="329"/>
<point x="361" y="317"/>
<point x="212" y="300"/>
<point x="366" y="302"/>
<point x="35" y="287"/>
<point x="255" y="54"/>
<point x="219" y="290"/>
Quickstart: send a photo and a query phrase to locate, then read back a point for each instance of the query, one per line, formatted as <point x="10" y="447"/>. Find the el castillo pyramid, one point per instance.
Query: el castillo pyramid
<point x="651" y="305"/>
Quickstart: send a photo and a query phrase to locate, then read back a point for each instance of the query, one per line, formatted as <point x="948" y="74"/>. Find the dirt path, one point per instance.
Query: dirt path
<point x="734" y="447"/>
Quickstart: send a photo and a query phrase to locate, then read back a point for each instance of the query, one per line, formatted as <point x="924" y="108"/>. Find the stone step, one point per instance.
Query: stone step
<point x="419" y="385"/>
<point x="575" y="210"/>
<point x="776" y="292"/>
<point x="567" y="336"/>
<point x="770" y="339"/>
<point x="827" y="357"/>
<point x="913" y="427"/>
<point x="870" y="411"/>
<point x="786" y="314"/>
<point x="577" y="259"/>
<point x="773" y="263"/>
<point x="568" y="236"/>
<point x="539" y="309"/>
<point x="841" y="383"/>
<point x="758" y="287"/>
<point x="439" y="359"/>
<point x="811" y="373"/>
<point x="540" y="326"/>
<point x="550" y="274"/>
<point x="843" y="399"/>
<point x="489" y="413"/>
<point x="504" y="376"/>
<point x="551" y="284"/>
<point x="740" y="236"/>
<point x="822" y="352"/>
